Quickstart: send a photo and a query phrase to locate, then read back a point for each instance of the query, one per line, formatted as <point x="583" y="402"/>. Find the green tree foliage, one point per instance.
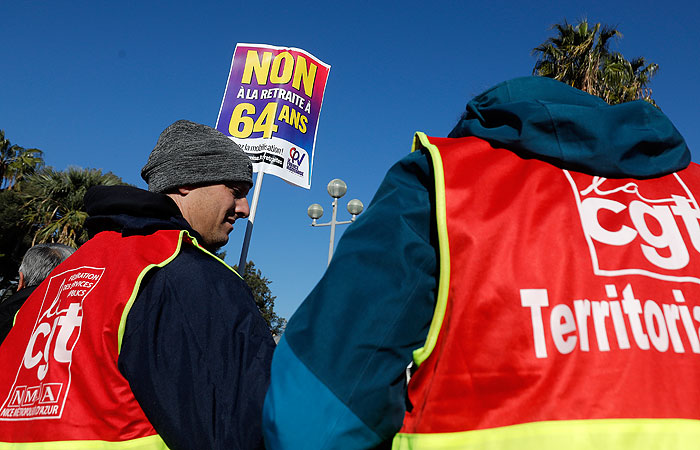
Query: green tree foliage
<point x="54" y="203"/>
<point x="39" y="204"/>
<point x="17" y="162"/>
<point x="580" y="56"/>
<point x="259" y="285"/>
<point x="626" y="81"/>
<point x="14" y="237"/>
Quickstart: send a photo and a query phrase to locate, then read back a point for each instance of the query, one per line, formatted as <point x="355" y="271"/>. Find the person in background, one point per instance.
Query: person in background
<point x="541" y="268"/>
<point x="37" y="264"/>
<point x="147" y="339"/>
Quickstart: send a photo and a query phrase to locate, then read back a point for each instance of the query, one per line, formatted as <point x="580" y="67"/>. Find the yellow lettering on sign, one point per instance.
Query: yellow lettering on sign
<point x="260" y="67"/>
<point x="281" y="70"/>
<point x="237" y="118"/>
<point x="308" y="76"/>
<point x="284" y="113"/>
<point x="283" y="61"/>
<point x="266" y="121"/>
<point x="293" y="117"/>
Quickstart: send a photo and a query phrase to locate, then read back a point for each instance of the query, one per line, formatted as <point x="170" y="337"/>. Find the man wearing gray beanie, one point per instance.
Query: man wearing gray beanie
<point x="195" y="165"/>
<point x="168" y="346"/>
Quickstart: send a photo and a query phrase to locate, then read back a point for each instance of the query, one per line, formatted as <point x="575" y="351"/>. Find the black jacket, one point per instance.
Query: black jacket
<point x="196" y="350"/>
<point x="9" y="308"/>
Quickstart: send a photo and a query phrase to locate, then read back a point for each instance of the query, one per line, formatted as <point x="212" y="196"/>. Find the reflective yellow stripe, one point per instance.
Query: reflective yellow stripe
<point x="421" y="354"/>
<point x="132" y="298"/>
<point x="194" y="241"/>
<point x="644" y="434"/>
<point x="137" y="286"/>
<point x="146" y="443"/>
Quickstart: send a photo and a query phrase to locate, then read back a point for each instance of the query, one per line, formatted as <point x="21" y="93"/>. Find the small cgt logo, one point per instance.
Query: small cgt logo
<point x="649" y="227"/>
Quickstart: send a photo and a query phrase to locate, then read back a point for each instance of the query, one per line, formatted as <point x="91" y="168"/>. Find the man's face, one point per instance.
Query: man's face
<point x="211" y="210"/>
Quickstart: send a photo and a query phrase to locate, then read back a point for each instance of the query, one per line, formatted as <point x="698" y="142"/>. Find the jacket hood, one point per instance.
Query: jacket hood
<point x="538" y="117"/>
<point x="131" y="211"/>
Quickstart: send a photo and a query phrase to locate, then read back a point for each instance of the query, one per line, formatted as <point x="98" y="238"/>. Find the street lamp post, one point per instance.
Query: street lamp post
<point x="336" y="189"/>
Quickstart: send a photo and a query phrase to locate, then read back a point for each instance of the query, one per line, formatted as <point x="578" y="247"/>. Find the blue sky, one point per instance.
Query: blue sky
<point x="93" y="84"/>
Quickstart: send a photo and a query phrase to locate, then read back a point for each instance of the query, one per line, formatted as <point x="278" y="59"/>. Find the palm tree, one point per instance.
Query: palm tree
<point x="580" y="57"/>
<point x="7" y="155"/>
<point x="625" y="81"/>
<point x="17" y="162"/>
<point x="574" y="55"/>
<point x="27" y="162"/>
<point x="54" y="203"/>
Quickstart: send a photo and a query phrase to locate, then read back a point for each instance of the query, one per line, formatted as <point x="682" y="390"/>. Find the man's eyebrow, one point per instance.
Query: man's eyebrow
<point x="238" y="189"/>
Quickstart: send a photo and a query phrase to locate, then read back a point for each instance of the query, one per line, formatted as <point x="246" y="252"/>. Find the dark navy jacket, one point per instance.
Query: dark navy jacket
<point x="9" y="308"/>
<point x="196" y="350"/>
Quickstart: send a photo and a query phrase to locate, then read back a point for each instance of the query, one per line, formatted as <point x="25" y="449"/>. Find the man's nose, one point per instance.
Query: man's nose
<point x="242" y="207"/>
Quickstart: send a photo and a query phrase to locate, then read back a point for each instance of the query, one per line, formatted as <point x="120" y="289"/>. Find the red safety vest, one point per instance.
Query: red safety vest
<point x="59" y="381"/>
<point x="568" y="308"/>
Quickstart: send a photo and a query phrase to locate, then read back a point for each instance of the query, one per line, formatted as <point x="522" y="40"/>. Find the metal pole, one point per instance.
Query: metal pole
<point x="249" y="226"/>
<point x="330" y="247"/>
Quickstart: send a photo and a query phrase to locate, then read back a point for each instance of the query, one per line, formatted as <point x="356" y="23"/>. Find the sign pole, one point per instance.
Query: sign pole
<point x="249" y="226"/>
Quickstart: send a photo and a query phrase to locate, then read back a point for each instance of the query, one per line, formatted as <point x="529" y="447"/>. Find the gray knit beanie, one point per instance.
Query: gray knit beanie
<point x="189" y="153"/>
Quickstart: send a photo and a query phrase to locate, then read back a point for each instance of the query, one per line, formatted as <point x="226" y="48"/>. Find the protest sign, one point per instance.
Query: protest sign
<point x="271" y="108"/>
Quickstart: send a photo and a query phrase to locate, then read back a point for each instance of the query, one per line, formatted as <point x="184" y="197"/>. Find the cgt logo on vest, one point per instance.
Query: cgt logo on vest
<point x="648" y="227"/>
<point x="43" y="378"/>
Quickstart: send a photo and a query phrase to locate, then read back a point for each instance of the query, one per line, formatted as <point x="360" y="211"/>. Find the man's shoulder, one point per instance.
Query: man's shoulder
<point x="19" y="296"/>
<point x="9" y="308"/>
<point x="193" y="260"/>
<point x="12" y="304"/>
<point x="194" y="286"/>
<point x="193" y="273"/>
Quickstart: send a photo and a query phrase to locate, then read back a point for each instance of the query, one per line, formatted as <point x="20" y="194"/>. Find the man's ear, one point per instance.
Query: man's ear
<point x="184" y="190"/>
<point x="21" y="284"/>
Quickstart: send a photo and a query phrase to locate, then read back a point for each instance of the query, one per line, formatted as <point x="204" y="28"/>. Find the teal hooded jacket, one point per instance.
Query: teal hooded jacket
<point x="338" y="373"/>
